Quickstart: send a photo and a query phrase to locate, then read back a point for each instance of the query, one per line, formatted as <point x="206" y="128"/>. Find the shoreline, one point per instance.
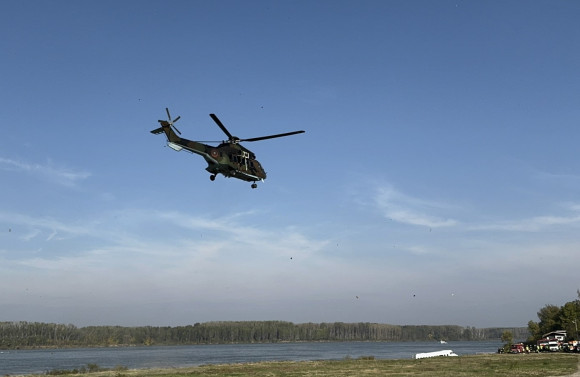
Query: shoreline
<point x="144" y="346"/>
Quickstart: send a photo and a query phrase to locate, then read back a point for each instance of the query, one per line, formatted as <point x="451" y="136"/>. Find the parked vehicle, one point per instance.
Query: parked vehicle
<point x="549" y="345"/>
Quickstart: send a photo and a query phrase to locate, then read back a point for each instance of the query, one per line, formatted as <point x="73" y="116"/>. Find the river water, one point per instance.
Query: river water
<point x="40" y="361"/>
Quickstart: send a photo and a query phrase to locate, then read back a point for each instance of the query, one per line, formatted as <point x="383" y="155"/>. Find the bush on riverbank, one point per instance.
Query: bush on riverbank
<point x="90" y="368"/>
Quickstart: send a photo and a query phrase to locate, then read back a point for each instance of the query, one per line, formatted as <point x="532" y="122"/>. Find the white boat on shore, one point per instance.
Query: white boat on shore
<point x="435" y="354"/>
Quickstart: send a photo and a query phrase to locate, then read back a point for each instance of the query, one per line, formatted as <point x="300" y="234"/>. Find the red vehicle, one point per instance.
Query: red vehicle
<point x="517" y="348"/>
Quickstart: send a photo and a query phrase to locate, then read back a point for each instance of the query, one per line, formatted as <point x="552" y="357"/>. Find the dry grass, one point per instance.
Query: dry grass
<point x="463" y="366"/>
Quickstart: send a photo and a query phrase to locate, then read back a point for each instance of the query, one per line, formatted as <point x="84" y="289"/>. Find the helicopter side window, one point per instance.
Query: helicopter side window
<point x="235" y="159"/>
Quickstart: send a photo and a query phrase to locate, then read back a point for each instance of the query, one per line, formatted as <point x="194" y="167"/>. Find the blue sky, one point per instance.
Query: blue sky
<point x="438" y="179"/>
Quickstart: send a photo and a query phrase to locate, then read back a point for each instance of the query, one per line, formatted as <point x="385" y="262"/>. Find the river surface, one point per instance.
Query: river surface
<point x="41" y="361"/>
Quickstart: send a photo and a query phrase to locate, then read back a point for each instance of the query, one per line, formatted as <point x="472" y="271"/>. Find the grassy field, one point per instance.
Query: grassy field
<point x="479" y="365"/>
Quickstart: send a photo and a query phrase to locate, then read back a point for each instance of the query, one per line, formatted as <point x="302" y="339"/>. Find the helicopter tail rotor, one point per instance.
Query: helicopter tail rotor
<point x="171" y="122"/>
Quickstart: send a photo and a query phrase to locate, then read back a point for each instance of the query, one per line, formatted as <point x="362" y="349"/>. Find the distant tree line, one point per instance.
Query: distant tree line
<point x="553" y="318"/>
<point x="34" y="334"/>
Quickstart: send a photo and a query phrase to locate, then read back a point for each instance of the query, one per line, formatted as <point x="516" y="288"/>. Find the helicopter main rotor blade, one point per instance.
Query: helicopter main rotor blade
<point x="272" y="136"/>
<point x="168" y="115"/>
<point x="224" y="129"/>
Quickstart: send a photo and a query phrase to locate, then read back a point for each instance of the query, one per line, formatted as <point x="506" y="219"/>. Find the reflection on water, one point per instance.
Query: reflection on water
<point x="40" y="361"/>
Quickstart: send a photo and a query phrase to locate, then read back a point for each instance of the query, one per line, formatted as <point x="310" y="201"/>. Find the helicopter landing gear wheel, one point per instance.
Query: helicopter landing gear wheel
<point x="254" y="185"/>
<point x="212" y="177"/>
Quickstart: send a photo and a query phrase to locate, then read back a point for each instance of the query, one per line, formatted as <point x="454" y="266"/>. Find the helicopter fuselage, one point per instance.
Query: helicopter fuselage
<point x="230" y="160"/>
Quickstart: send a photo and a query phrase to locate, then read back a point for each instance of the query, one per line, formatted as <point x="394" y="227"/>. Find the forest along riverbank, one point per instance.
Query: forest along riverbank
<point x="14" y="335"/>
<point x="40" y="361"/>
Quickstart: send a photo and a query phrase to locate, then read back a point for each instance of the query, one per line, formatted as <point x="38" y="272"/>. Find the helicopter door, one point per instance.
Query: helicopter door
<point x="245" y="156"/>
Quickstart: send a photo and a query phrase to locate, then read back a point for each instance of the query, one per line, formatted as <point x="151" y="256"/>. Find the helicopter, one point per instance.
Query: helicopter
<point x="229" y="158"/>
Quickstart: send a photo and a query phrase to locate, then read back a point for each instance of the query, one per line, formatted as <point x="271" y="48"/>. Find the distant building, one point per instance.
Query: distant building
<point x="558" y="335"/>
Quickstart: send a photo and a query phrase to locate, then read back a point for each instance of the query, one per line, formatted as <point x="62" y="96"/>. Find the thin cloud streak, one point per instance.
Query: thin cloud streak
<point x="44" y="225"/>
<point x="222" y="235"/>
<point x="286" y="239"/>
<point x="536" y="223"/>
<point x="409" y="210"/>
<point x="63" y="176"/>
<point x="405" y="209"/>
<point x="533" y="224"/>
<point x="562" y="179"/>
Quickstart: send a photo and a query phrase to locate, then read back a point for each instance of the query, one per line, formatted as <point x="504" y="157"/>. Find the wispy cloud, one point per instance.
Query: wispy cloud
<point x="285" y="240"/>
<point x="46" y="228"/>
<point x="186" y="233"/>
<point x="132" y="259"/>
<point x="409" y="210"/>
<point x="569" y="216"/>
<point x="565" y="179"/>
<point x="185" y="256"/>
<point x="533" y="224"/>
<point x="406" y="209"/>
<point x="61" y="175"/>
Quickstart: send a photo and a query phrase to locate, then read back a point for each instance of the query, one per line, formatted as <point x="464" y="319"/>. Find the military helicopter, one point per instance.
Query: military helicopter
<point x="229" y="158"/>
